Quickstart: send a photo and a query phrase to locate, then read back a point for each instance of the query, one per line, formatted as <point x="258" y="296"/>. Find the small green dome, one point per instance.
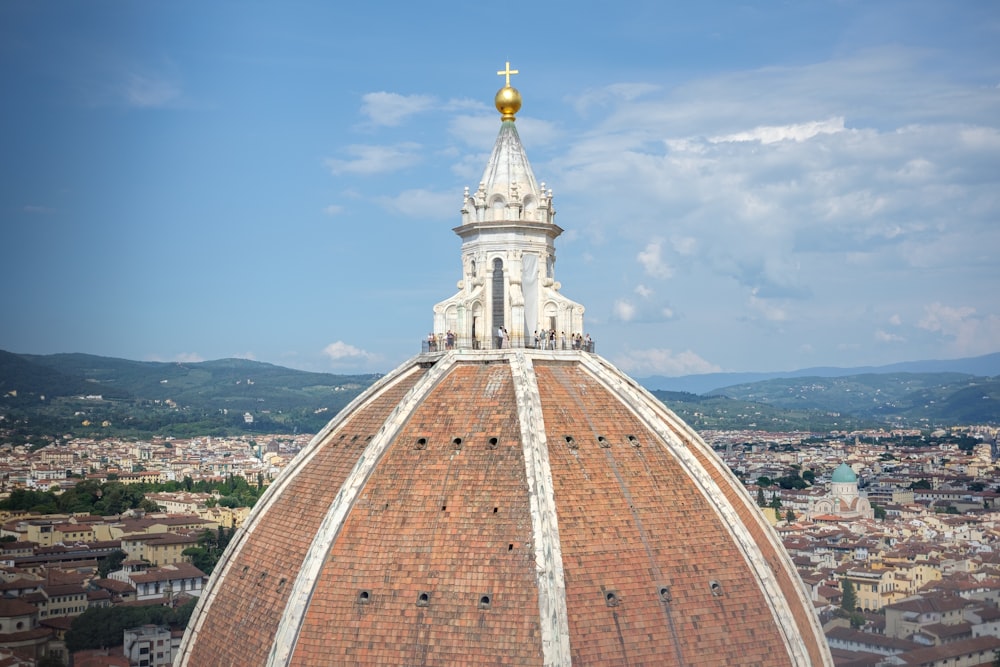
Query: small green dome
<point x="844" y="474"/>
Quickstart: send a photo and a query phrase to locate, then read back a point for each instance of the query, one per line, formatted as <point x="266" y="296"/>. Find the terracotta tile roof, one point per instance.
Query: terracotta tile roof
<point x="113" y="585"/>
<point x="15" y="607"/>
<point x="978" y="646"/>
<point x="167" y="573"/>
<point x="100" y="658"/>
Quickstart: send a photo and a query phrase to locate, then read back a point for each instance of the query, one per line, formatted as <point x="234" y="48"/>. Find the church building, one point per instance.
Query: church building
<point x="843" y="501"/>
<point x="506" y="499"/>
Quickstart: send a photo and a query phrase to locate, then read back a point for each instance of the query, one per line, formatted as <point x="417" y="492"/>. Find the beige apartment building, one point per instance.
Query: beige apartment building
<point x="158" y="548"/>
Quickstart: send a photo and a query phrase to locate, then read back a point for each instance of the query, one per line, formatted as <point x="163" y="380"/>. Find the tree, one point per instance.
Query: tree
<point x="879" y="511"/>
<point x="101" y="627"/>
<point x="761" y="501"/>
<point x="789" y="516"/>
<point x="776" y="502"/>
<point x="110" y="563"/>
<point x="849" y="601"/>
<point x="921" y="484"/>
<point x="201" y="558"/>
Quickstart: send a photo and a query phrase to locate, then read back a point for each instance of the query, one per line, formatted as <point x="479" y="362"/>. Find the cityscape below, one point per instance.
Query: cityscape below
<point x="895" y="532"/>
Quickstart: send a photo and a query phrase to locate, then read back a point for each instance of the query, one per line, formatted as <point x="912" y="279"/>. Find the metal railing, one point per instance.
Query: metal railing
<point x="445" y="342"/>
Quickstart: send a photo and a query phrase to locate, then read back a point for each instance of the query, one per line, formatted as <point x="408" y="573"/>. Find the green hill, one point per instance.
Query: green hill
<point x="906" y="399"/>
<point x="95" y="396"/>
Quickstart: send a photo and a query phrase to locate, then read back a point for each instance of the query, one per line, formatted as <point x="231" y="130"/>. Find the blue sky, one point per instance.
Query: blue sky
<point x="745" y="186"/>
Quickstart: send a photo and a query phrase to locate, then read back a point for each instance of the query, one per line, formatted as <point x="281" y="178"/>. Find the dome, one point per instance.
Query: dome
<point x="516" y="506"/>
<point x="844" y="474"/>
<point x="505" y="498"/>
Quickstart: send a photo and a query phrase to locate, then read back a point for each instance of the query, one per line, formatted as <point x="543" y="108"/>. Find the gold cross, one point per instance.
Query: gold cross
<point x="508" y="71"/>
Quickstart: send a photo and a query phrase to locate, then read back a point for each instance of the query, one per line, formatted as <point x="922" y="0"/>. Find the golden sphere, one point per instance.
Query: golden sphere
<point x="508" y="102"/>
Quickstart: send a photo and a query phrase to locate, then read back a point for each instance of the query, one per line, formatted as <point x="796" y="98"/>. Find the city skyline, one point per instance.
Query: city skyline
<point x="741" y="188"/>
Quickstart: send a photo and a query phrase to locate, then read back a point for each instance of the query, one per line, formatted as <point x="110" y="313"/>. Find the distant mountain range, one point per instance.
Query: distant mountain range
<point x="86" y="395"/>
<point x="985" y="366"/>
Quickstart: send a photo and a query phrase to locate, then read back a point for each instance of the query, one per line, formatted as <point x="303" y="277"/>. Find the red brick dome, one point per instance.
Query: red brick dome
<point x="520" y="507"/>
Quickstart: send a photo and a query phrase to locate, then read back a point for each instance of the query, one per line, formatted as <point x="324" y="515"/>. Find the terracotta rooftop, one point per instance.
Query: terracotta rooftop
<point x="167" y="573"/>
<point x="511" y="507"/>
<point x="961" y="652"/>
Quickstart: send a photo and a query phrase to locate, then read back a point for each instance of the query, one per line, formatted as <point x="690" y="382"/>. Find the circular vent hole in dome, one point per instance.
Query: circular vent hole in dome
<point x="570" y="442"/>
<point x="421" y="443"/>
<point x="611" y="598"/>
<point x="716" y="588"/>
<point x="665" y="593"/>
<point x="603" y="442"/>
<point x="456" y="443"/>
<point x="423" y="599"/>
<point x="492" y="443"/>
<point x="485" y="600"/>
<point x="364" y="597"/>
<point x="634" y="441"/>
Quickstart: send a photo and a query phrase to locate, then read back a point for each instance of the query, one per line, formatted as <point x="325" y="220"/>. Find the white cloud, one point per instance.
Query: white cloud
<point x="368" y="159"/>
<point x="624" y="310"/>
<point x="419" y="203"/>
<point x="181" y="357"/>
<point x="794" y="132"/>
<point x="686" y="245"/>
<point x="652" y="261"/>
<point x="767" y="308"/>
<point x="339" y="351"/>
<point x="643" y="291"/>
<point x="661" y="361"/>
<point x="968" y="333"/>
<point x="149" y="91"/>
<point x="945" y="319"/>
<point x="391" y="109"/>
<point x="883" y="336"/>
<point x="333" y="210"/>
<point x="613" y="93"/>
<point x="895" y="320"/>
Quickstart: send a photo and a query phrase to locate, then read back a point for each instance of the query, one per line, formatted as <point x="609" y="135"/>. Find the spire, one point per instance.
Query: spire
<point x="508" y="189"/>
